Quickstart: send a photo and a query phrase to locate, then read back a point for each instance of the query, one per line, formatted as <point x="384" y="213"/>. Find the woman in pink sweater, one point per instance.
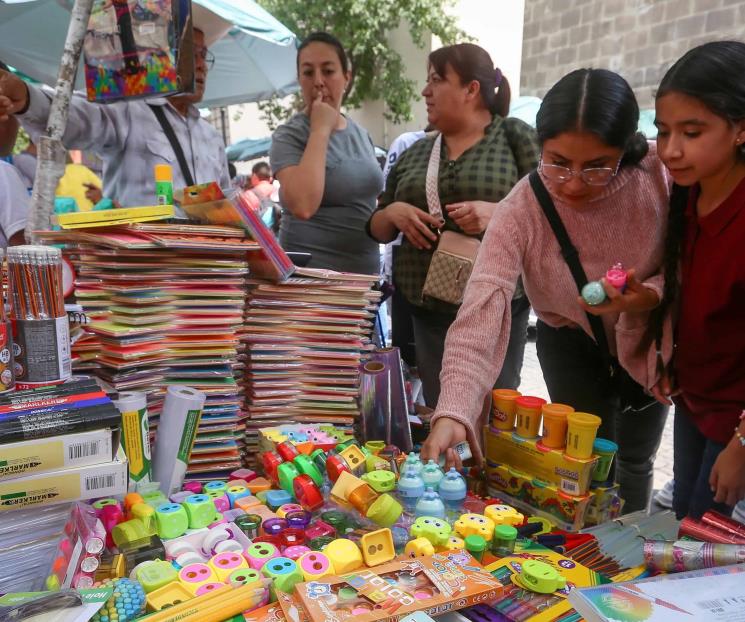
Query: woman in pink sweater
<point x="611" y="193"/>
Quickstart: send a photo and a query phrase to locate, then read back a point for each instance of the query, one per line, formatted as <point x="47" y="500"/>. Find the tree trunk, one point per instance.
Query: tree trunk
<point x="51" y="153"/>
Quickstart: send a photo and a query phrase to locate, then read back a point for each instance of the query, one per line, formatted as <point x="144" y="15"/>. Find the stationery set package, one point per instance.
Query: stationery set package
<point x="138" y="48"/>
<point x="568" y="511"/>
<point x="519" y="603"/>
<point x="552" y="466"/>
<point x="389" y="592"/>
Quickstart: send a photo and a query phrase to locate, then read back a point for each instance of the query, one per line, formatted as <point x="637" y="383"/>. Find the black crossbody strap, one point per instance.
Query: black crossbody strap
<point x="160" y="114"/>
<point x="571" y="256"/>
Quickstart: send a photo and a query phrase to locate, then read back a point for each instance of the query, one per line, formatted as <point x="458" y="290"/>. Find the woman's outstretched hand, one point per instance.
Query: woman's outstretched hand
<point x="445" y="434"/>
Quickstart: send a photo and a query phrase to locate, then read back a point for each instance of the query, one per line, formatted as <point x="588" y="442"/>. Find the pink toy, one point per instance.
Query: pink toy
<point x="616" y="277"/>
<point x="196" y="574"/>
<point x="259" y="553"/>
<point x="295" y="552"/>
<point x="110" y="516"/>
<point x="194" y="488"/>
<point x="222" y="504"/>
<point x="321" y="438"/>
<point x="208" y="587"/>
<point x="314" y="564"/>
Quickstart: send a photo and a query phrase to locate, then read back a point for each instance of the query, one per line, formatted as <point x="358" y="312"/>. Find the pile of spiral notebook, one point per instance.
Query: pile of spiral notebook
<point x="165" y="305"/>
<point x="303" y="341"/>
<point x="305" y="330"/>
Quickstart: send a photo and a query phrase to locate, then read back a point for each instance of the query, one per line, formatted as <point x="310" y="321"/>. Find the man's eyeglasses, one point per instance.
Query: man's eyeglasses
<point x="207" y="56"/>
<point x="591" y="176"/>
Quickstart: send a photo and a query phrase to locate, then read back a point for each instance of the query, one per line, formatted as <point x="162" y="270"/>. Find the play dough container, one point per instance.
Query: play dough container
<point x="503" y="408"/>
<point x="581" y="431"/>
<point x="605" y="451"/>
<point x="555" y="425"/>
<point x="528" y="415"/>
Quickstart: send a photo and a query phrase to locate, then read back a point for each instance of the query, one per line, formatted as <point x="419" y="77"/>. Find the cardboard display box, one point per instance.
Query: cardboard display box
<point x="76" y="484"/>
<point x="68" y="451"/>
<point x="566" y="510"/>
<point x="570" y="475"/>
<point x="389" y="592"/>
<point x="540" y="607"/>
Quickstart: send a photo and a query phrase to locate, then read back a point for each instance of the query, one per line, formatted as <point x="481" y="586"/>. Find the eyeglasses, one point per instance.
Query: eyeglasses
<point x="207" y="56"/>
<point x="591" y="176"/>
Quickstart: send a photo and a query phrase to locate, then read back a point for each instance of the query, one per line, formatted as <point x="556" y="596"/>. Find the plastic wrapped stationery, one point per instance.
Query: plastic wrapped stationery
<point x="138" y="48"/>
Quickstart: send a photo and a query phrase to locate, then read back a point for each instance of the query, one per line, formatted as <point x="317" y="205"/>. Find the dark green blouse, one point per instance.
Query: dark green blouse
<point x="485" y="172"/>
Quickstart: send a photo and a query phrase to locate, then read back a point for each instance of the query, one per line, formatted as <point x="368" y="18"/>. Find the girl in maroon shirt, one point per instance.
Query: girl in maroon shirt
<point x="700" y="112"/>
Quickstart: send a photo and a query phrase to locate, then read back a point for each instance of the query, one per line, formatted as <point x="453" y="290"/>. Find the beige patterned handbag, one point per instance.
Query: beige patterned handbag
<point x="453" y="259"/>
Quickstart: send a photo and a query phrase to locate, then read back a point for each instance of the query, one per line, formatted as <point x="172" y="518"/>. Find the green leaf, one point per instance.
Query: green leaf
<point x="363" y="26"/>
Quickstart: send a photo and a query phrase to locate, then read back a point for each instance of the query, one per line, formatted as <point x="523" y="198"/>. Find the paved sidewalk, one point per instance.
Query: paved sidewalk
<point x="532" y="384"/>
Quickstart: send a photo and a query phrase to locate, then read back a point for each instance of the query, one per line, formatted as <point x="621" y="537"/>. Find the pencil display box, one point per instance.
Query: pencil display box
<point x="571" y="476"/>
<point x="75" y="484"/>
<point x="566" y="510"/>
<point x="67" y="451"/>
<point x="389" y="592"/>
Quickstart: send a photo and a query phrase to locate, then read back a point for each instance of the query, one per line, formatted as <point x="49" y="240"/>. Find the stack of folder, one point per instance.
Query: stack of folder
<point x="166" y="304"/>
<point x="303" y="342"/>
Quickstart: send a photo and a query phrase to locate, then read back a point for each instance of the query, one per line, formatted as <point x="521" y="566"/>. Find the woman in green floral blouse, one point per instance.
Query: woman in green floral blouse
<point x="483" y="156"/>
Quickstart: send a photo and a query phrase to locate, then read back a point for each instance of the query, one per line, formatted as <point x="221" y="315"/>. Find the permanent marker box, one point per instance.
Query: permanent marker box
<point x="68" y="451"/>
<point x="76" y="484"/>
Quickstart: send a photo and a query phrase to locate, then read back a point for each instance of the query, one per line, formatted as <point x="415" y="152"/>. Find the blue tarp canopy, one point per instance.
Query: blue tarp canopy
<point x="249" y="149"/>
<point x="255" y="54"/>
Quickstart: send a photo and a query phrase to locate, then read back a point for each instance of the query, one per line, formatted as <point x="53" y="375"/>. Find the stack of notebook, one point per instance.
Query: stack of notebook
<point x="303" y="341"/>
<point x="268" y="260"/>
<point x="166" y="304"/>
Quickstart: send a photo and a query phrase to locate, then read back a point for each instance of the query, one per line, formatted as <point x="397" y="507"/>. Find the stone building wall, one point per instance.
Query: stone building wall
<point x="639" y="39"/>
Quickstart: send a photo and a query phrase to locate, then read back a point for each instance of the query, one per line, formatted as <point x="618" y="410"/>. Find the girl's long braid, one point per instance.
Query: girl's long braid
<point x="671" y="262"/>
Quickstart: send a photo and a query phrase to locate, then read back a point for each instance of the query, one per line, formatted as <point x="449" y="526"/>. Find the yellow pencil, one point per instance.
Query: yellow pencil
<point x="216" y="606"/>
<point x="225" y="608"/>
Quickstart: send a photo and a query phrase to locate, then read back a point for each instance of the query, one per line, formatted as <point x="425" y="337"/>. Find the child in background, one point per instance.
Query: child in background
<point x="700" y="110"/>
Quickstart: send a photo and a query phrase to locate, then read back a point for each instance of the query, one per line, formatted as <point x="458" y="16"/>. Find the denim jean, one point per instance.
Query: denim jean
<point x="694" y="456"/>
<point x="576" y="375"/>
<point x="430" y="329"/>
